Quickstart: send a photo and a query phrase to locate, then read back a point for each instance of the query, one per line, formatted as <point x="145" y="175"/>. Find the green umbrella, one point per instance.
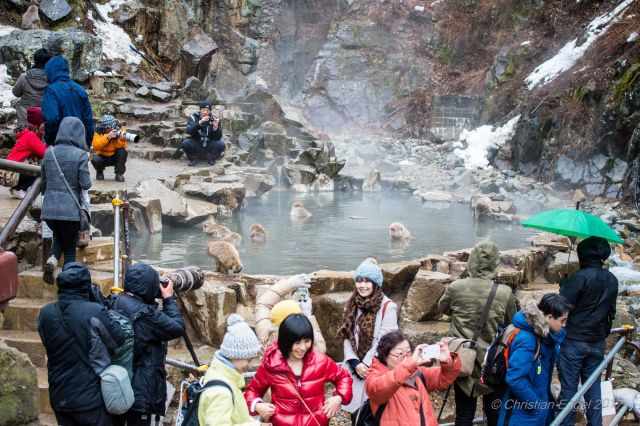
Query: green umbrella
<point x="572" y="223"/>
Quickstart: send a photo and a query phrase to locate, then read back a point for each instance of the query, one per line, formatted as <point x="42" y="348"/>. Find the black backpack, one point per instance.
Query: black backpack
<point x="496" y="360"/>
<point x="188" y="415"/>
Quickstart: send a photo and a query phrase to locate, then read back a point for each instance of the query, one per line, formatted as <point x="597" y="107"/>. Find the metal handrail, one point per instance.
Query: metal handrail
<point x="20" y="212"/>
<point x="570" y="406"/>
<point x="24" y="168"/>
<point x="619" y="416"/>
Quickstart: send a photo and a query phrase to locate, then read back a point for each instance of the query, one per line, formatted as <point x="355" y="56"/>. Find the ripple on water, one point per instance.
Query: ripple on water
<point x="344" y="229"/>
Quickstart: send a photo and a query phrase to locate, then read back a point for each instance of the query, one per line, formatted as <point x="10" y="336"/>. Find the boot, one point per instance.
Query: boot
<point x="49" y="270"/>
<point x="119" y="178"/>
<point x="100" y="175"/>
<point x="46" y="250"/>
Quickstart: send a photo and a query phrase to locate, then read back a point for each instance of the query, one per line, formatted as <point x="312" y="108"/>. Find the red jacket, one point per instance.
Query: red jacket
<point x="28" y="144"/>
<point x="403" y="400"/>
<point x="275" y="373"/>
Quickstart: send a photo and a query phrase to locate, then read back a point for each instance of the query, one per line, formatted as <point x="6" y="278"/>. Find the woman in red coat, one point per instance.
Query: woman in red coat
<point x="296" y="375"/>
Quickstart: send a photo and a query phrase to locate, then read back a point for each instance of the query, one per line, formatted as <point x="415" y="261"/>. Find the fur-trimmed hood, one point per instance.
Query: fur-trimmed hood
<point x="532" y="319"/>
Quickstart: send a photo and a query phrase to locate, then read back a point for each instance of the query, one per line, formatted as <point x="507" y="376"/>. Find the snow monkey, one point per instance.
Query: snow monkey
<point x="398" y="231"/>
<point x="298" y="211"/>
<point x="257" y="233"/>
<point x="31" y="18"/>
<point x="226" y="256"/>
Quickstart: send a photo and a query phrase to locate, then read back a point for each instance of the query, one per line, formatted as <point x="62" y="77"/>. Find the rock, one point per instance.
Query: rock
<point x="18" y="387"/>
<point x="324" y="281"/>
<point x="421" y="302"/>
<point x="159" y="95"/>
<point x="560" y="266"/>
<point x="530" y="262"/>
<point x="257" y="184"/>
<point x="435" y="197"/>
<point x="298" y="174"/>
<point x="102" y="218"/>
<point x="550" y="241"/>
<point x="227" y="194"/>
<point x="82" y="50"/>
<point x="195" y="56"/>
<point x="174" y="206"/>
<point x="435" y="263"/>
<point x="275" y="138"/>
<point x="458" y="255"/>
<point x="208" y="308"/>
<point x="625" y="373"/>
<point x="328" y="310"/>
<point x="55" y="10"/>
<point x="199" y="210"/>
<point x="398" y="275"/>
<point x="143" y="91"/>
<point x="372" y="182"/>
<point x="425" y="332"/>
<point x="152" y="213"/>
<point x="193" y="89"/>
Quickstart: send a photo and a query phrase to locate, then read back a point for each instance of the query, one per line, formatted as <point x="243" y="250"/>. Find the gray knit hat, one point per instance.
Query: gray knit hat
<point x="240" y="342"/>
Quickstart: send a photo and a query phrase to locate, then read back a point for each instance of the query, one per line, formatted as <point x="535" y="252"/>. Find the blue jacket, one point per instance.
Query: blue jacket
<point x="64" y="98"/>
<point x="527" y="400"/>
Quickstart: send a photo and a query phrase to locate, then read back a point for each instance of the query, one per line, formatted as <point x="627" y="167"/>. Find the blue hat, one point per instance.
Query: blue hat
<point x="371" y="271"/>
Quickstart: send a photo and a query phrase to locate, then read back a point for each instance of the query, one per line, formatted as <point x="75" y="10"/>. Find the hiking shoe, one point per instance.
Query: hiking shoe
<point x="192" y="163"/>
<point x="49" y="270"/>
<point x="18" y="194"/>
<point x="99" y="175"/>
<point x="211" y="162"/>
<point x="119" y="178"/>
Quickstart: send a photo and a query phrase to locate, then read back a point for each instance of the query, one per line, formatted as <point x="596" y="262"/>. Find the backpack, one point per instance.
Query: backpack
<point x="123" y="355"/>
<point x="190" y="400"/>
<point x="496" y="359"/>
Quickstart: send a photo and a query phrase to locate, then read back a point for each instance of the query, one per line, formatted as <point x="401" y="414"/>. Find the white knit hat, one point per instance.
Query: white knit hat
<point x="240" y="342"/>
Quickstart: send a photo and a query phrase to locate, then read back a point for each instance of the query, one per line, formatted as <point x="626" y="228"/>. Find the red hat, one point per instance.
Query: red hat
<point x="34" y="116"/>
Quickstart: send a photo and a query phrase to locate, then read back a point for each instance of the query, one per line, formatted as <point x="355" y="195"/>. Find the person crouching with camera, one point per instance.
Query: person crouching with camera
<point x="109" y="147"/>
<point x="153" y="328"/>
<point x="205" y="142"/>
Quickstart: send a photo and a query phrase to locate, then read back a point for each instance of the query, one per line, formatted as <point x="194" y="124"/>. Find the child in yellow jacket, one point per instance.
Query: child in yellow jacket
<point x="109" y="147"/>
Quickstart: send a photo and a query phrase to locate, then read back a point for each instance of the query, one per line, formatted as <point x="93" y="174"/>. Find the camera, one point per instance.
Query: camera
<point x="184" y="279"/>
<point x="129" y="137"/>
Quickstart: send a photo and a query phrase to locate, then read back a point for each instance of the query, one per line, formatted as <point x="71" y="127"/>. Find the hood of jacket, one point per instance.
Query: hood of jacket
<point x="593" y="251"/>
<point x="218" y="370"/>
<point x="531" y="319"/>
<point x="483" y="260"/>
<point x="71" y="132"/>
<point x="57" y="69"/>
<point x="143" y="281"/>
<point x="275" y="362"/>
<point x="74" y="279"/>
<point x="37" y="78"/>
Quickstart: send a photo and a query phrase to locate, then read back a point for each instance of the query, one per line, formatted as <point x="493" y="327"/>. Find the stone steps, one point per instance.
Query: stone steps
<point x="47" y="420"/>
<point x="43" y="392"/>
<point x="22" y="314"/>
<point x="27" y="342"/>
<point x="151" y="152"/>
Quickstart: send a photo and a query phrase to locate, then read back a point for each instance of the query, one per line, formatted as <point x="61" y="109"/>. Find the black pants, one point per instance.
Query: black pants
<point x="95" y="417"/>
<point x="117" y="160"/>
<point x="195" y="151"/>
<point x="134" y="418"/>
<point x="65" y="238"/>
<point x="466" y="407"/>
<point x="24" y="182"/>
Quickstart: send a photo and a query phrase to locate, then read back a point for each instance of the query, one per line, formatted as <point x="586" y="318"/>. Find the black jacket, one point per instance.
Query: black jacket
<point x="202" y="133"/>
<point x="153" y="328"/>
<point x="73" y="385"/>
<point x="593" y="292"/>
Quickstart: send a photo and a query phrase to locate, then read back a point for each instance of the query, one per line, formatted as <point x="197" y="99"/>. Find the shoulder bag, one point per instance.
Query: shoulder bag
<point x="84" y="235"/>
<point x="467" y="348"/>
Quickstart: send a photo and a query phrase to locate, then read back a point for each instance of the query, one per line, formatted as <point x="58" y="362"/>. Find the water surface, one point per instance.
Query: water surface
<point x="344" y="229"/>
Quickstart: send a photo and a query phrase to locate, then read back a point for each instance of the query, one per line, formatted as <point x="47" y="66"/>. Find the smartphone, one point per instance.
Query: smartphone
<point x="430" y="352"/>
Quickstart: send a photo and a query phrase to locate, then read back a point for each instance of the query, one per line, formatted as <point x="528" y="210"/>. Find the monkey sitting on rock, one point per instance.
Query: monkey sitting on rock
<point x="31" y="18"/>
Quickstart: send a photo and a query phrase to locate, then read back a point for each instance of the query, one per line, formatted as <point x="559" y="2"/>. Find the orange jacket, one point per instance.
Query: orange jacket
<point x="104" y="147"/>
<point x="403" y="401"/>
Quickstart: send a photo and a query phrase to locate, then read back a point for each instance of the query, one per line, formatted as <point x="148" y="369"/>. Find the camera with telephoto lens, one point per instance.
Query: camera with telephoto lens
<point x="129" y="137"/>
<point x="184" y="279"/>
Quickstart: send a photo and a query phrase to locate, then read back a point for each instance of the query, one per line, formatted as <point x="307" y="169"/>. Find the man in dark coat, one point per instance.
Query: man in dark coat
<point x="64" y="98"/>
<point x="206" y="141"/>
<point x="153" y="328"/>
<point x="77" y="345"/>
<point x="592" y="291"/>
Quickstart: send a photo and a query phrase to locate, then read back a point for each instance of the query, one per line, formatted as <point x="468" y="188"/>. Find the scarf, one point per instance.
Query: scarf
<point x="366" y="322"/>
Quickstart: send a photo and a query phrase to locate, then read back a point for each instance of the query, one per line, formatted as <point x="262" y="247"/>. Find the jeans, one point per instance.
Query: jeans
<point x="195" y="151"/>
<point x="65" y="238"/>
<point x="576" y="362"/>
<point x="466" y="407"/>
<point x="24" y="182"/>
<point x="117" y="160"/>
<point x="95" y="417"/>
<point x="134" y="418"/>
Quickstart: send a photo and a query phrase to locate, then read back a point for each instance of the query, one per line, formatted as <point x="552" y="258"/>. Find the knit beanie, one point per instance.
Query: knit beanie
<point x="283" y="309"/>
<point x="240" y="342"/>
<point x="369" y="270"/>
<point x="107" y="122"/>
<point x="34" y="116"/>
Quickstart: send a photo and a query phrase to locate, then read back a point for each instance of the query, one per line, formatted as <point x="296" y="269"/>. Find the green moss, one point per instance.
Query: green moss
<point x="444" y="54"/>
<point x="626" y="82"/>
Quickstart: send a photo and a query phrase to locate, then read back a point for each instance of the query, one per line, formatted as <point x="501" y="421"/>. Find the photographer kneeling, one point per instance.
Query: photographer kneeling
<point x="153" y="328"/>
<point x="206" y="141"/>
<point x="110" y="147"/>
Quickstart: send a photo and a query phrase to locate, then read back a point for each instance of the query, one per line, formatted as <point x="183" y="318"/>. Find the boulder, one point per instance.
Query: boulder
<point x="199" y="210"/>
<point x="159" y="95"/>
<point x="82" y="50"/>
<point x="328" y="310"/>
<point x="274" y="137"/>
<point x="174" y="206"/>
<point x="421" y="302"/>
<point x="151" y="209"/>
<point x="207" y="310"/>
<point x="530" y="262"/>
<point x="458" y="255"/>
<point x="324" y="281"/>
<point x="298" y="174"/>
<point x="55" y="10"/>
<point x="550" y="241"/>
<point x="229" y="194"/>
<point x="398" y="275"/>
<point x="102" y="218"/>
<point x="193" y="89"/>
<point x="560" y="265"/>
<point x="435" y="197"/>
<point x="625" y="373"/>
<point x="435" y="263"/>
<point x="195" y="56"/>
<point x="18" y="387"/>
<point x="425" y="332"/>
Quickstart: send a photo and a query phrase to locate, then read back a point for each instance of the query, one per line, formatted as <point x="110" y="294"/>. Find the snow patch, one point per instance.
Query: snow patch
<point x="633" y="37"/>
<point x="570" y="53"/>
<point x="115" y="41"/>
<point x="525" y="43"/>
<point x="6" y="30"/>
<point x="6" y="96"/>
<point x="419" y="8"/>
<point x="479" y="140"/>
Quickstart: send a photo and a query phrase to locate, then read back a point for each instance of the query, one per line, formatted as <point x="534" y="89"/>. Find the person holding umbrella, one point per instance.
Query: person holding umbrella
<point x="592" y="291"/>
